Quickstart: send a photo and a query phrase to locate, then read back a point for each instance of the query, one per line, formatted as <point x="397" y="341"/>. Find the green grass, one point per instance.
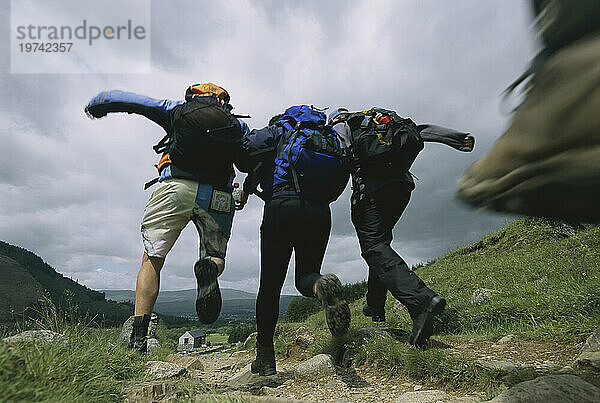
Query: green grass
<point x="216" y="338"/>
<point x="550" y="290"/>
<point x="88" y="368"/>
<point x="91" y="367"/>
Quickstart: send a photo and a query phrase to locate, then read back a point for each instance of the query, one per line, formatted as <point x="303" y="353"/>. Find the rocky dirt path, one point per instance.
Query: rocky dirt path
<point x="229" y="371"/>
<point x="302" y="377"/>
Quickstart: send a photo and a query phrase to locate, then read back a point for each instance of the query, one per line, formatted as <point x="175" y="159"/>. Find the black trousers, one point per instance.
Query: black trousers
<point x="289" y="224"/>
<point x="374" y="219"/>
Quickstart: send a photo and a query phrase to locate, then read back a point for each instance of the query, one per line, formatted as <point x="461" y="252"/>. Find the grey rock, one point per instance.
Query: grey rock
<point x="367" y="333"/>
<point x="422" y="396"/>
<point x="566" y="370"/>
<point x="153" y="326"/>
<point x="588" y="360"/>
<point x="250" y="340"/>
<point x="593" y="342"/>
<point x="246" y="380"/>
<point x="506" y="339"/>
<point x="151" y="391"/>
<point x="153" y="344"/>
<point x="373" y="332"/>
<point x="267" y="390"/>
<point x="316" y="367"/>
<point x="38" y="336"/>
<point x="483" y="294"/>
<point x="164" y="370"/>
<point x="187" y="361"/>
<point x="467" y="399"/>
<point x="565" y="230"/>
<point x="551" y="388"/>
<point x="127" y="328"/>
<point x="590" y="354"/>
<point x="502" y="367"/>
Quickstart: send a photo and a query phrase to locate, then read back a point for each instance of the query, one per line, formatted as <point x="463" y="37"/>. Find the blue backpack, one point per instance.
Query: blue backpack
<point x="309" y="155"/>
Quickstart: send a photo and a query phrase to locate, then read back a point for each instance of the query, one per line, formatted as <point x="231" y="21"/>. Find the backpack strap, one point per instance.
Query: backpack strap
<point x="292" y="134"/>
<point x="364" y="125"/>
<point x="163" y="144"/>
<point x="150" y="183"/>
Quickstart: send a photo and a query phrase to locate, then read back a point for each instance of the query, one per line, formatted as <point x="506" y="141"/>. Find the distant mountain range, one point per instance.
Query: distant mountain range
<point x="26" y="281"/>
<point x="236" y="304"/>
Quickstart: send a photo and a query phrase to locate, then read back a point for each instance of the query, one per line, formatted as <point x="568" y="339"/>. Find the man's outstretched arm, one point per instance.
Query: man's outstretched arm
<point x="436" y="134"/>
<point x="157" y="110"/>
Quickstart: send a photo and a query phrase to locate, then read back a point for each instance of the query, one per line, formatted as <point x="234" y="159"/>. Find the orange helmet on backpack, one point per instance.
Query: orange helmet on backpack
<point x="207" y="89"/>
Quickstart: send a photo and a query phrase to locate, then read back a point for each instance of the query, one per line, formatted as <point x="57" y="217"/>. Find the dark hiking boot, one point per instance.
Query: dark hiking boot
<point x="264" y="364"/>
<point x="328" y="290"/>
<point x="548" y="161"/>
<point x="208" y="301"/>
<point x="139" y="334"/>
<point x="377" y="315"/>
<point x="423" y="321"/>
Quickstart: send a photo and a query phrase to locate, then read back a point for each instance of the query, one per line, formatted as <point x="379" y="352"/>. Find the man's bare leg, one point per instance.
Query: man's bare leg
<point x="148" y="282"/>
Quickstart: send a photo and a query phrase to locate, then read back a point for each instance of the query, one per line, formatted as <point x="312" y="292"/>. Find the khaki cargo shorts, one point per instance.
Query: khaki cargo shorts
<point x="174" y="204"/>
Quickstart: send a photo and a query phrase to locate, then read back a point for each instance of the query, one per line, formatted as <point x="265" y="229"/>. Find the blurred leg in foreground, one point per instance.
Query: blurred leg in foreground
<point x="548" y="161"/>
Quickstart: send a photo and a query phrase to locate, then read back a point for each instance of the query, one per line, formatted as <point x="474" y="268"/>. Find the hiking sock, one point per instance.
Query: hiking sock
<point x="264" y="364"/>
<point x="139" y="334"/>
<point x="328" y="289"/>
<point x="208" y="301"/>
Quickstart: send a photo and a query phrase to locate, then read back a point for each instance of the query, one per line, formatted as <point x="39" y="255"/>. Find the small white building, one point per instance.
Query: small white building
<point x="191" y="339"/>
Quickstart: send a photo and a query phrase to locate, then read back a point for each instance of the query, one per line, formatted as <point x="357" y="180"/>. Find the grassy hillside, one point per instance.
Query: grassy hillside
<point x="28" y="280"/>
<point x="548" y="278"/>
<point x="549" y="283"/>
<point x="18" y="288"/>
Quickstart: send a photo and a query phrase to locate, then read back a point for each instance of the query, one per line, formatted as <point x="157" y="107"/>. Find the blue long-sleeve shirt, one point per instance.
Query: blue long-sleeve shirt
<point x="157" y="110"/>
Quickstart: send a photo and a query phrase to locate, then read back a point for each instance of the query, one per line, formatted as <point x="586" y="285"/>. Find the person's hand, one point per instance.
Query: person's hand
<point x="243" y="200"/>
<point x="88" y="113"/>
<point x="468" y="144"/>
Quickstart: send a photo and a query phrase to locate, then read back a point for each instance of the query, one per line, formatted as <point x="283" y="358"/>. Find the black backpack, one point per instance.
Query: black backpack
<point x="382" y="140"/>
<point x="204" y="137"/>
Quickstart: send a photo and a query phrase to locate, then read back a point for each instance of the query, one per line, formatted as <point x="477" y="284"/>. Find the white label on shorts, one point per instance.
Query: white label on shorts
<point x="221" y="201"/>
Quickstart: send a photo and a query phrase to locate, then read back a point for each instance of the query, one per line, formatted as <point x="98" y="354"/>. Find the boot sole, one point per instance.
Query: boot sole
<point x="564" y="186"/>
<point x="424" y="333"/>
<point x="208" y="301"/>
<point x="337" y="311"/>
<point x="554" y="144"/>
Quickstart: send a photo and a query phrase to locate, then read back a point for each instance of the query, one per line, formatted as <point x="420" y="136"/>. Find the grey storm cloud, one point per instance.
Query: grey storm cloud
<point x="71" y="188"/>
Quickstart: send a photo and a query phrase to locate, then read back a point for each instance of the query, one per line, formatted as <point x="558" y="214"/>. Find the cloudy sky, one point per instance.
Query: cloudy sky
<point x="71" y="188"/>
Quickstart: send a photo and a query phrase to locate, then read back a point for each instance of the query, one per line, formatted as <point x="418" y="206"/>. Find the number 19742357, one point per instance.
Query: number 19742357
<point x="51" y="47"/>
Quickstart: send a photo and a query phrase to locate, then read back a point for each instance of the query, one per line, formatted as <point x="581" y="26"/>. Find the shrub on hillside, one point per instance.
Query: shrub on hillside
<point x="301" y="308"/>
<point x="240" y="333"/>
